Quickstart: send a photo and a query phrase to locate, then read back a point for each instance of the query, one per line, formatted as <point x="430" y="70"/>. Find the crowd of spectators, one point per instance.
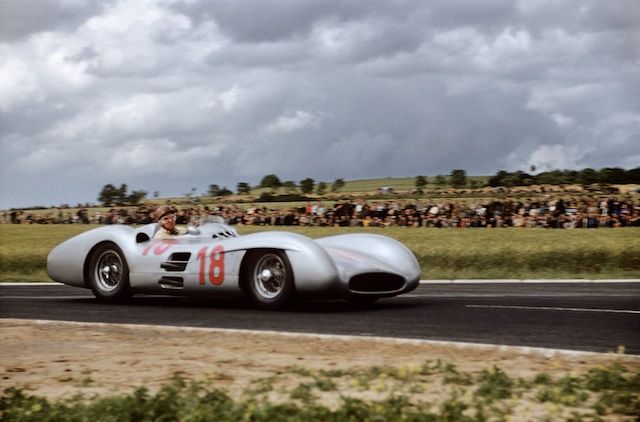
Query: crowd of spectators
<point x="560" y="212"/>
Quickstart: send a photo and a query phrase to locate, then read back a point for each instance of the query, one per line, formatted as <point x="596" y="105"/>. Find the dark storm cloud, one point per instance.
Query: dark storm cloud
<point x="225" y="91"/>
<point x="20" y="18"/>
<point x="258" y="21"/>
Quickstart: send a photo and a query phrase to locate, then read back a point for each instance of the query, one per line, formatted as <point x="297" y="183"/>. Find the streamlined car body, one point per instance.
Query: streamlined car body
<point x="272" y="268"/>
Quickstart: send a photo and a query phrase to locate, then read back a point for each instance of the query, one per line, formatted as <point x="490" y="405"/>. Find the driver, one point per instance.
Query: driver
<point x="166" y="217"/>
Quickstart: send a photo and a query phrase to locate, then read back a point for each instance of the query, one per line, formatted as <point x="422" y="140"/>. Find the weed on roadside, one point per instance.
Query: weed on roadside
<point x="418" y="393"/>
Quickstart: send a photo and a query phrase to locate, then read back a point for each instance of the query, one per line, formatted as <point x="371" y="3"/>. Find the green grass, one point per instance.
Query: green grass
<point x="397" y="183"/>
<point x="388" y="393"/>
<point x="509" y="253"/>
<point x="442" y="253"/>
<point x="24" y="248"/>
<point x="355" y="187"/>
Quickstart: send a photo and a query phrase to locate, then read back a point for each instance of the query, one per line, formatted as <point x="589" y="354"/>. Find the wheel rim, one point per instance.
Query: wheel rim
<point x="269" y="276"/>
<point x="108" y="272"/>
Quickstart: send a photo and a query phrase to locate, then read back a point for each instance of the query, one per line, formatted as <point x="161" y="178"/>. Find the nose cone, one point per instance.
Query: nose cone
<point x="63" y="265"/>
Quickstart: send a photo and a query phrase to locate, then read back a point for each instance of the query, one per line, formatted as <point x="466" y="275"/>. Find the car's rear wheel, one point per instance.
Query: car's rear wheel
<point x="269" y="279"/>
<point x="109" y="273"/>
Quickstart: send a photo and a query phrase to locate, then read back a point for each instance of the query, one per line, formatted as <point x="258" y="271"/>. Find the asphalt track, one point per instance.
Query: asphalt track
<point x="597" y="317"/>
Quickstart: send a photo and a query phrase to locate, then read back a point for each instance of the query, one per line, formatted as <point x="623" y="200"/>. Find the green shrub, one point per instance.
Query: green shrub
<point x="614" y="392"/>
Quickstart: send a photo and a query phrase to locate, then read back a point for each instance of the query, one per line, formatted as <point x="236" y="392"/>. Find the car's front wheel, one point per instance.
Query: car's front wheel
<point x="269" y="279"/>
<point x="109" y="273"/>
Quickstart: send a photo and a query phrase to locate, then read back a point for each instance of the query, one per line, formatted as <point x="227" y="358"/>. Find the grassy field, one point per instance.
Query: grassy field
<point x="511" y="253"/>
<point x="398" y="183"/>
<point x="442" y="253"/>
<point x="355" y="187"/>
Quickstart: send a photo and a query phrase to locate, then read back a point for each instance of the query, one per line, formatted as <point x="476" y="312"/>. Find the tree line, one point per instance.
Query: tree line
<point x="111" y="195"/>
<point x="585" y="177"/>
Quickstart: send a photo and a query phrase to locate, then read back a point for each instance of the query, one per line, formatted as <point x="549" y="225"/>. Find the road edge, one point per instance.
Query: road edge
<point x="455" y="281"/>
<point x="526" y="350"/>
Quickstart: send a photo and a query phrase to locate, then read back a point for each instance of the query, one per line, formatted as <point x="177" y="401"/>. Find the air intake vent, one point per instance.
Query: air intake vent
<point x="176" y="262"/>
<point x="180" y="256"/>
<point x="223" y="235"/>
<point x="172" y="283"/>
<point x="376" y="283"/>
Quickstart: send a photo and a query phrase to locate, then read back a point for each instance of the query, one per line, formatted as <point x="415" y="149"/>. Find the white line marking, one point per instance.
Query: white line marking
<point x="46" y="297"/>
<point x="456" y="295"/>
<point x="529" y="281"/>
<point x="548" y="308"/>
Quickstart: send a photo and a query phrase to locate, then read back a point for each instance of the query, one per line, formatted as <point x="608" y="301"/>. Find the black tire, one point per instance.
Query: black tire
<point x="109" y="274"/>
<point x="269" y="279"/>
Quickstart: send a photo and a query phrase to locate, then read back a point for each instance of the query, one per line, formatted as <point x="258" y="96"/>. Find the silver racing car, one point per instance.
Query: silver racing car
<point x="271" y="268"/>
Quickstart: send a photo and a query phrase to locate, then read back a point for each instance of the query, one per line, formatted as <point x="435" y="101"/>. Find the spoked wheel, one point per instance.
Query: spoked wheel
<point x="109" y="274"/>
<point x="270" y="279"/>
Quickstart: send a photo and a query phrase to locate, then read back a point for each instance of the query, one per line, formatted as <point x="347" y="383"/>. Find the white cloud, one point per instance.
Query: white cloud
<point x="294" y="121"/>
<point x="509" y="48"/>
<point x="562" y="120"/>
<point x="563" y="99"/>
<point x="17" y="84"/>
<point x="549" y="157"/>
<point x="226" y="100"/>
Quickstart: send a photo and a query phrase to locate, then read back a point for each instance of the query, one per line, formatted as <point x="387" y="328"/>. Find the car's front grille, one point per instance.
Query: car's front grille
<point x="376" y="283"/>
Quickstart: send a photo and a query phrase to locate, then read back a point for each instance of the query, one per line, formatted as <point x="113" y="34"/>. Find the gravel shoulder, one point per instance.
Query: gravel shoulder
<point x="60" y="359"/>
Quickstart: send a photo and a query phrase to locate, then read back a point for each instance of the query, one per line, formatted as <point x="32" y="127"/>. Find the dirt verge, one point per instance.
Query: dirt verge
<point x="60" y="359"/>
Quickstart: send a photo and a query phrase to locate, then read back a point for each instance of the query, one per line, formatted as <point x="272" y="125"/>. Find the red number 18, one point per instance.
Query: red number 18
<point x="216" y="265"/>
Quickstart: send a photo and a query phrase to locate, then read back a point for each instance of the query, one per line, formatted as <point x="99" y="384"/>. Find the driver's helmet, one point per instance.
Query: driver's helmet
<point x="163" y="210"/>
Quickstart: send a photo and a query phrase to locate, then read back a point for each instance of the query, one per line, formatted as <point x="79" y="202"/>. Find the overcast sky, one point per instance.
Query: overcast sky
<point x="171" y="95"/>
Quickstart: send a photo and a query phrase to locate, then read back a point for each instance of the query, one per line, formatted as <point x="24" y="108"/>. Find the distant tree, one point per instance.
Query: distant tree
<point x="440" y="180"/>
<point x="554" y="177"/>
<point x="270" y="181"/>
<point x="612" y="175"/>
<point x="156" y="194"/>
<point x="290" y="186"/>
<point x="421" y="182"/>
<point x="122" y="194"/>
<point x="306" y="185"/>
<point x="110" y="195"/>
<point x="337" y="185"/>
<point x="136" y="197"/>
<point x="523" y="179"/>
<point x="458" y="178"/>
<point x="243" y="188"/>
<point x="475" y="184"/>
<point x="497" y="180"/>
<point x="215" y="190"/>
<point x="587" y="176"/>
<point x="321" y="188"/>
<point x="510" y="181"/>
<point x="633" y="175"/>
